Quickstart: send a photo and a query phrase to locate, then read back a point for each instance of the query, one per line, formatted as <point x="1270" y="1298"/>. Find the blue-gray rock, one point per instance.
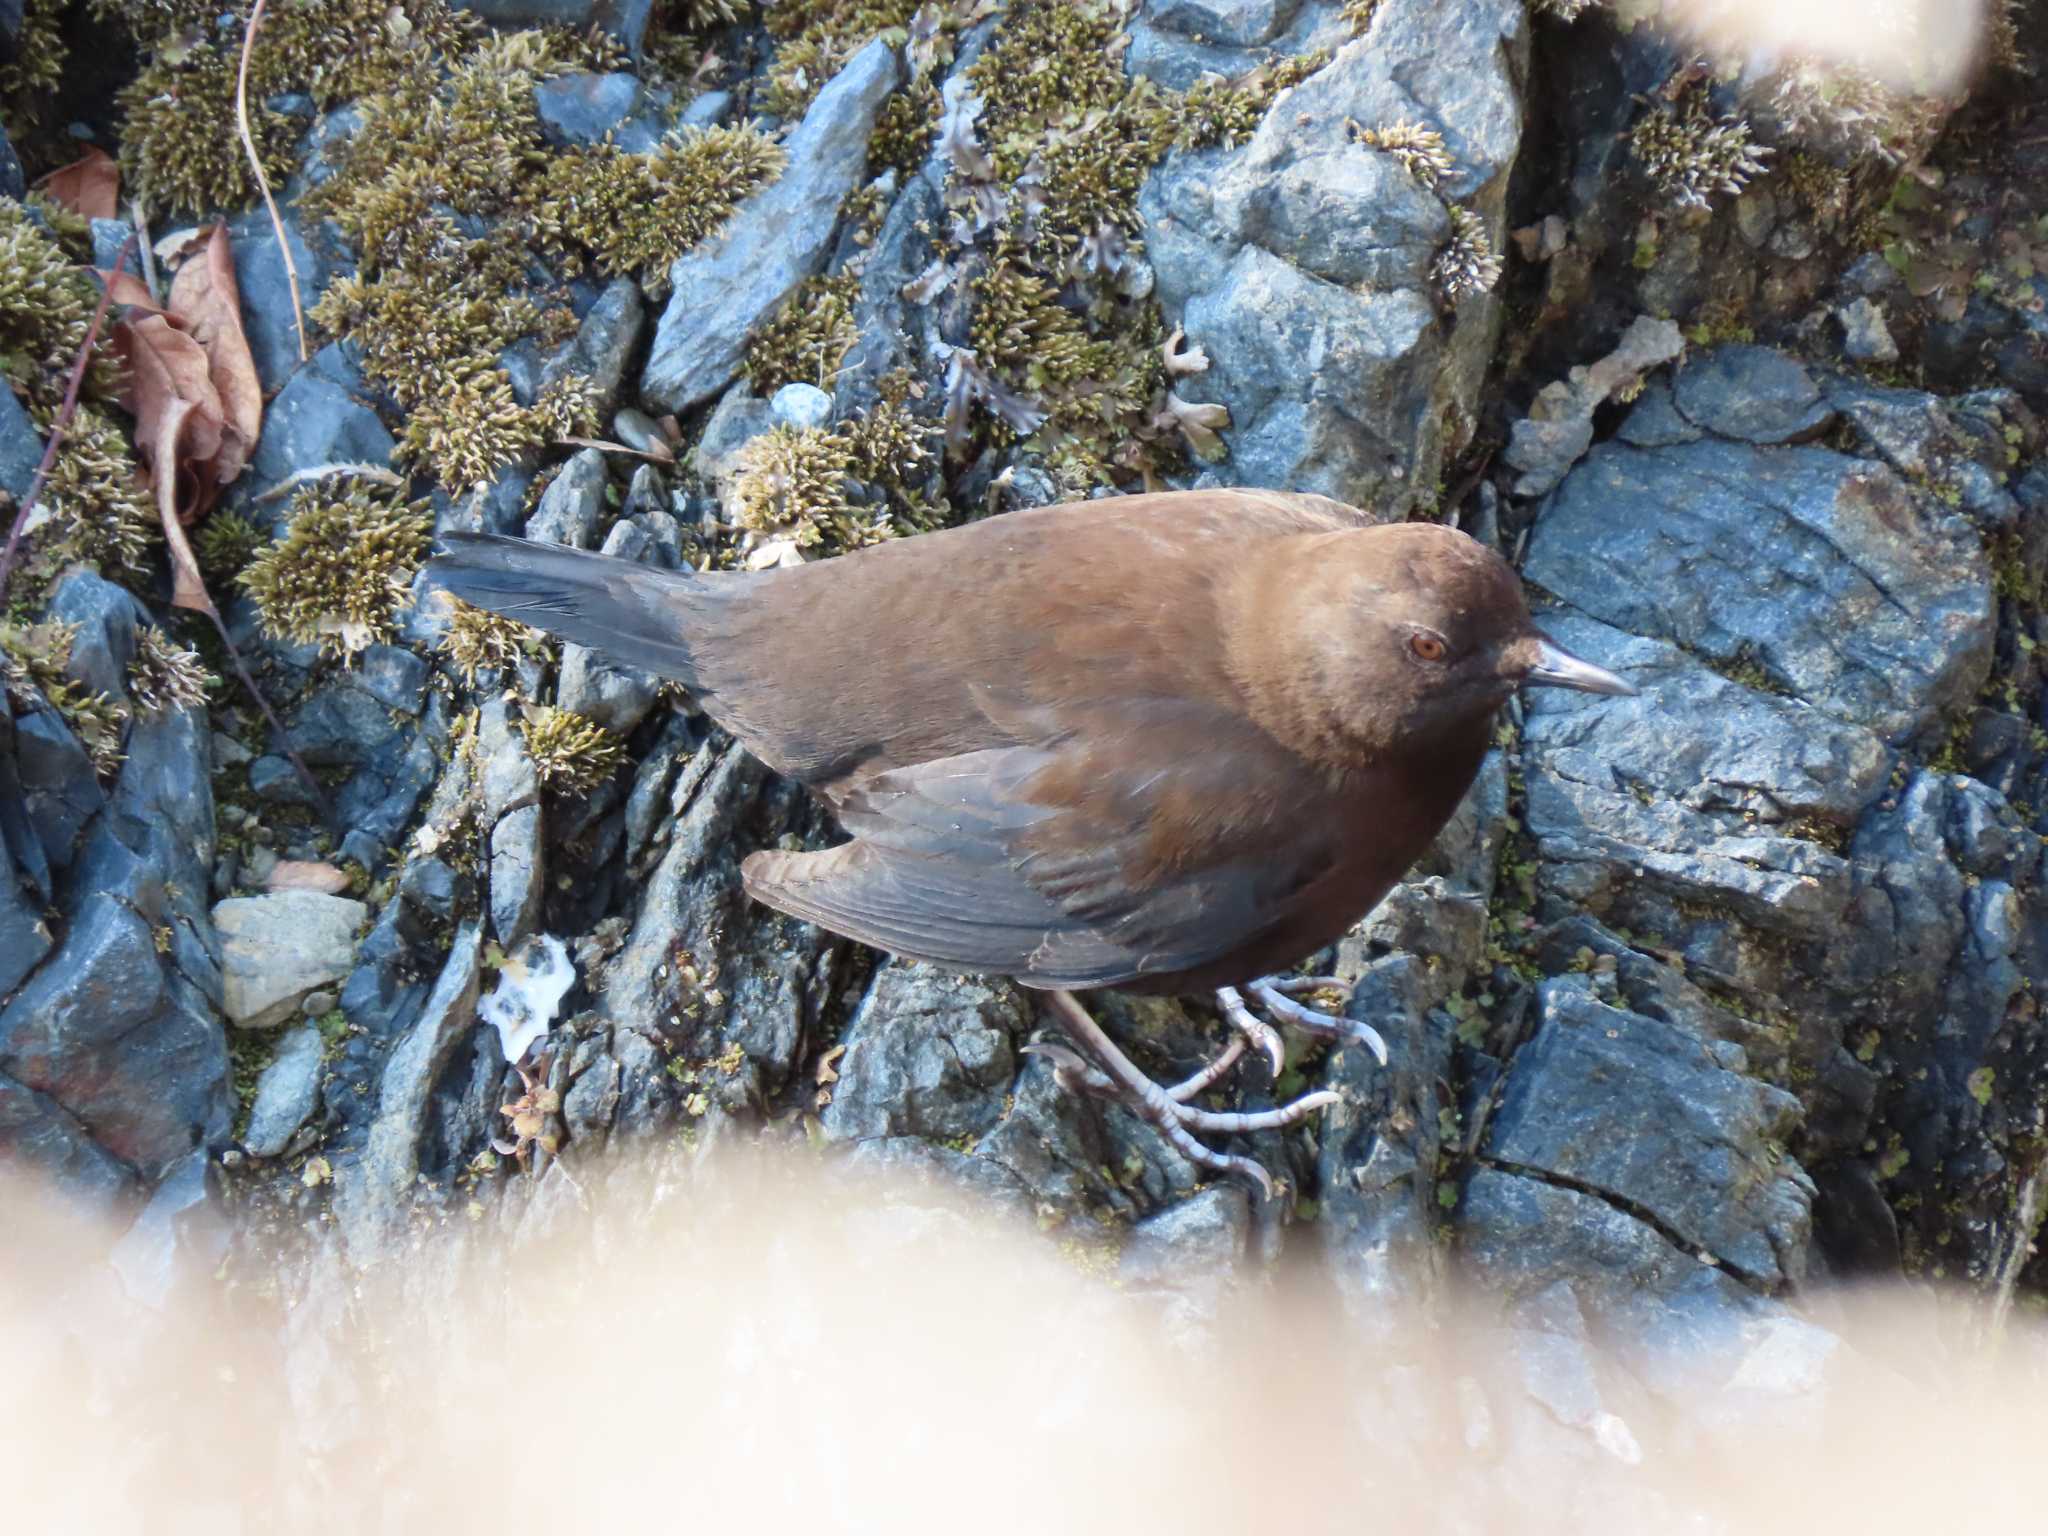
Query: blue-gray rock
<point x="507" y="780"/>
<point x="1751" y="394"/>
<point x="1825" y="572"/>
<point x="518" y="874"/>
<point x="266" y="289"/>
<point x="274" y="781"/>
<point x="37" y="1132"/>
<point x="604" y="342"/>
<point x="774" y="240"/>
<point x="24" y="934"/>
<point x="21" y="447"/>
<point x="582" y="108"/>
<point x="927" y="1054"/>
<point x="1176" y="42"/>
<point x="1865" y="336"/>
<point x="801" y="406"/>
<point x="572" y="503"/>
<point x="639" y="431"/>
<point x="1664" y="1124"/>
<point x="1653" y="421"/>
<point x="104" y="645"/>
<point x="179" y="1239"/>
<point x="13" y="183"/>
<point x="1188" y="1256"/>
<point x="287" y="1093"/>
<point x="60" y="791"/>
<point x="737" y="419"/>
<point x="1234" y="23"/>
<point x="707" y="109"/>
<point x="393" y="676"/>
<point x="315" y="421"/>
<point x="591" y="685"/>
<point x="101" y="1031"/>
<point x="373" y="1191"/>
<point x="1300" y="261"/>
<point x="626" y="20"/>
<point x="111" y="242"/>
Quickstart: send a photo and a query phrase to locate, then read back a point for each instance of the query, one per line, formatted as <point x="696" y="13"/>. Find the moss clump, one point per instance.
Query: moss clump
<point x="226" y="542"/>
<point x="1468" y="263"/>
<point x="31" y="76"/>
<point x="790" y="495"/>
<point x="817" y="38"/>
<point x="1227" y="112"/>
<point x="1419" y="149"/>
<point x="891" y="449"/>
<point x="343" y="570"/>
<point x="1692" y="156"/>
<point x="164" y="676"/>
<point x="637" y="213"/>
<point x="478" y="640"/>
<point x="180" y="149"/>
<point x="570" y="753"/>
<point x="904" y="130"/>
<point x="94" y="508"/>
<point x="806" y="340"/>
<point x="32" y="662"/>
<point x="1358" y="14"/>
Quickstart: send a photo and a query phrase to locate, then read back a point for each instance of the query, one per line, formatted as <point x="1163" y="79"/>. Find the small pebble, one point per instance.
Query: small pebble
<point x="319" y="1004"/>
<point x="801" y="405"/>
<point x="638" y="431"/>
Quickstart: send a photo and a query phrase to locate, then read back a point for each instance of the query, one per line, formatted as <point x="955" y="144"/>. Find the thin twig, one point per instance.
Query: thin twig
<point x="57" y="427"/>
<point x="284" y="245"/>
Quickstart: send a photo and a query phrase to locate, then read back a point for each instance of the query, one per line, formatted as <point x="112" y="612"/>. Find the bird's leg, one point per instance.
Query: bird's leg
<point x="1165" y="1108"/>
<point x="1276" y="995"/>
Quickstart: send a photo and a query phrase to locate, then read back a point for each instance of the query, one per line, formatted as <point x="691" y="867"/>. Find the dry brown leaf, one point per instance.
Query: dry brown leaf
<point x="127" y="288"/>
<point x="168" y="368"/>
<point x="206" y="301"/>
<point x="306" y="875"/>
<point x="90" y="186"/>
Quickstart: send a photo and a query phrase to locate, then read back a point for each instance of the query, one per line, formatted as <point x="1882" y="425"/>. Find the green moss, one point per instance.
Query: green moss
<point x="165" y="676"/>
<point x="570" y="753"/>
<point x="180" y="149"/>
<point x="637" y="213"/>
<point x="226" y="542"/>
<point x="805" y="340"/>
<point x="478" y="640"/>
<point x="904" y="130"/>
<point x="1418" y="148"/>
<point x="789" y="497"/>
<point x="817" y="38"/>
<point x="1224" y="114"/>
<point x="342" y="571"/>
<point x="30" y="77"/>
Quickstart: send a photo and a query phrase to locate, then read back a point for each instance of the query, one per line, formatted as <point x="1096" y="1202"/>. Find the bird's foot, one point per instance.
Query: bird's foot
<point x="1100" y="1066"/>
<point x="1277" y="994"/>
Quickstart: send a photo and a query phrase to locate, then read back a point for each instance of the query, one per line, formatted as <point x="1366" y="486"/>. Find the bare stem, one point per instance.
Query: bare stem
<point x="284" y="244"/>
<point x="59" y="426"/>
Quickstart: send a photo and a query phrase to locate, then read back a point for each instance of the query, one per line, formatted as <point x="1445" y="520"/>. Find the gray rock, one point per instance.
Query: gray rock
<point x="21" y="447"/>
<point x="287" y="1093"/>
<point x="1234" y="23"/>
<point x="1865" y="336"/>
<point x="604" y="342"/>
<point x="277" y="947"/>
<point x="372" y="1194"/>
<point x="24" y="935"/>
<point x="313" y="421"/>
<point x="13" y="183"/>
<point x="107" y="618"/>
<point x="737" y="419"/>
<point x="265" y="288"/>
<point x="615" y="697"/>
<point x="582" y="108"/>
<point x="111" y="243"/>
<point x="572" y="503"/>
<point x="801" y="405"/>
<point x="1559" y="427"/>
<point x="1641" y="1113"/>
<point x="394" y="677"/>
<point x="100" y="1031"/>
<point x="1873" y="607"/>
<point x="775" y="239"/>
<point x="60" y="792"/>
<point x="1654" y="422"/>
<point x="639" y="431"/>
<point x="507" y="780"/>
<point x="518" y="874"/>
<point x="36" y="1132"/>
<point x="928" y="1054"/>
<point x="707" y="109"/>
<point x="1300" y="261"/>
<point x="180" y="1237"/>
<point x="1751" y="394"/>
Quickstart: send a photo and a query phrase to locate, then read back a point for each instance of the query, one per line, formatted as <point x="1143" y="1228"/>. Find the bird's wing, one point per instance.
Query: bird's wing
<point x="1094" y="862"/>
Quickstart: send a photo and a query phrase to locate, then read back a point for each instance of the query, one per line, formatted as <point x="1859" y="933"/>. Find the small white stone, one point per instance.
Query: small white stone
<point x="801" y="406"/>
<point x="277" y="947"/>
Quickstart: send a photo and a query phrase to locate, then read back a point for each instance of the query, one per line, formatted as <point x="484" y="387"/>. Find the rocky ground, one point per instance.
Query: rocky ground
<point x="1707" y="997"/>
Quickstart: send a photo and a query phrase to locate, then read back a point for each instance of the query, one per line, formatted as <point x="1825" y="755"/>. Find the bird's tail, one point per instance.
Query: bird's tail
<point x="637" y="616"/>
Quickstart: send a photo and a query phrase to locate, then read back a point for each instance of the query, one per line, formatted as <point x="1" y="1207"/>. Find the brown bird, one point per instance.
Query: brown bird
<point x="1167" y="743"/>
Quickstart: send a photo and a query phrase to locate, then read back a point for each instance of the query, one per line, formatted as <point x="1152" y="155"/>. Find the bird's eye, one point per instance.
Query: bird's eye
<point x="1427" y="647"/>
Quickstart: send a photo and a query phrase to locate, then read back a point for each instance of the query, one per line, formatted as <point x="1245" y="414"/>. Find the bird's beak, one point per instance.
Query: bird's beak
<point x="1555" y="667"/>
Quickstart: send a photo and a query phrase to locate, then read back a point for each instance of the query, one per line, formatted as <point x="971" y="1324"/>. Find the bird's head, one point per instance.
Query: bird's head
<point x="1417" y="632"/>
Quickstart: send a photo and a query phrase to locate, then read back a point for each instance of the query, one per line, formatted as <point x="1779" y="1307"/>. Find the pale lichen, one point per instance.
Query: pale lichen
<point x="1692" y="156"/>
<point x="165" y="676"/>
<point x="1467" y="264"/>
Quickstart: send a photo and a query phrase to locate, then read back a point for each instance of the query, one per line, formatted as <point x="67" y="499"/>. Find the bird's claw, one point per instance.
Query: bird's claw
<point x="1100" y="1066"/>
<point x="1276" y="994"/>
